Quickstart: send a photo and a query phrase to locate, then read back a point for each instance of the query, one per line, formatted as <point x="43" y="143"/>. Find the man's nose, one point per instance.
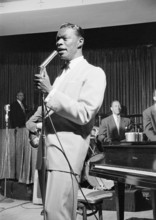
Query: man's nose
<point x="59" y="42"/>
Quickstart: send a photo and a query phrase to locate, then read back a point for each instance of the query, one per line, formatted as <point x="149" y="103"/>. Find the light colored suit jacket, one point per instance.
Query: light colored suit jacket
<point x="75" y="104"/>
<point x="149" y="122"/>
<point x="108" y="131"/>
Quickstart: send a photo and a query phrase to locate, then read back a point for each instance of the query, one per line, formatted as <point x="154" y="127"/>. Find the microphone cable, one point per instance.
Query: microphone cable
<point x="70" y="167"/>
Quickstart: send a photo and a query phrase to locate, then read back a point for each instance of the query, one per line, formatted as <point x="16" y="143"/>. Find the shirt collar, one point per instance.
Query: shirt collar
<point x="116" y="116"/>
<point x="19" y="101"/>
<point x="75" y="61"/>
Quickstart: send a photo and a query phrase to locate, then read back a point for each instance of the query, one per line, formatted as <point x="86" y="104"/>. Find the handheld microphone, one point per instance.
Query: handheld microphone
<point x="49" y="58"/>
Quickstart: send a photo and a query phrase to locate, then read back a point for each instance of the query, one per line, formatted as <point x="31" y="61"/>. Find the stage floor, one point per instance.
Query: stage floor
<point x="11" y="209"/>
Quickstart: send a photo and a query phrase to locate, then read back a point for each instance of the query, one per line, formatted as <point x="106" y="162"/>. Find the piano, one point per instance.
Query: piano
<point x="128" y="163"/>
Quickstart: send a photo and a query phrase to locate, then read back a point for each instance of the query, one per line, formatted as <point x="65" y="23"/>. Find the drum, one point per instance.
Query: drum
<point x="94" y="132"/>
<point x="134" y="136"/>
<point x="96" y="182"/>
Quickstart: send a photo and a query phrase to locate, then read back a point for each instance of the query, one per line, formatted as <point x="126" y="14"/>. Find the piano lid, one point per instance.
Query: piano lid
<point x="134" y="156"/>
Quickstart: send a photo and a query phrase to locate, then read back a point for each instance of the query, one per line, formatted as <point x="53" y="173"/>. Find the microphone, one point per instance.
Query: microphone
<point x="49" y="58"/>
<point x="7" y="108"/>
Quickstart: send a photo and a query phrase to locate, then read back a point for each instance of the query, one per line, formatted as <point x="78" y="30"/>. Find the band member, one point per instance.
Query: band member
<point x="18" y="111"/>
<point x="149" y="120"/>
<point x="113" y="127"/>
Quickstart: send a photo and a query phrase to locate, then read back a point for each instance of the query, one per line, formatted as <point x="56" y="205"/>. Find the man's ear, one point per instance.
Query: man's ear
<point x="81" y="42"/>
<point x="154" y="98"/>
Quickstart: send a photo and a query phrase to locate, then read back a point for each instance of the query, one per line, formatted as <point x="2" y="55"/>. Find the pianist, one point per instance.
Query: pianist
<point x="112" y="129"/>
<point x="149" y="120"/>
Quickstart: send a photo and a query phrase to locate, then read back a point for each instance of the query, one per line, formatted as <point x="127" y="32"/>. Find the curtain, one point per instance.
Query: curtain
<point x="131" y="76"/>
<point x="130" y="72"/>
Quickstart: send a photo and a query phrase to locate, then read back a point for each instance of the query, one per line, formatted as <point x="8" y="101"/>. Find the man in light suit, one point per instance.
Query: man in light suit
<point x="71" y="104"/>
<point x="113" y="128"/>
<point x="149" y="120"/>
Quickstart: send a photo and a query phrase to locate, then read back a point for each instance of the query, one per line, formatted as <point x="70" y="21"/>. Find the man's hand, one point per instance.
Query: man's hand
<point x="39" y="125"/>
<point x="42" y="81"/>
<point x="34" y="140"/>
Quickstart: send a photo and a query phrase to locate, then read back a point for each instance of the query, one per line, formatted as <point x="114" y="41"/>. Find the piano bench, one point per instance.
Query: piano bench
<point x="92" y="203"/>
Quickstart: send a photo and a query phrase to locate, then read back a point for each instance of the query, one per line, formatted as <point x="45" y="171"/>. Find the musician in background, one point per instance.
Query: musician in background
<point x="18" y="111"/>
<point x="149" y="120"/>
<point x="113" y="128"/>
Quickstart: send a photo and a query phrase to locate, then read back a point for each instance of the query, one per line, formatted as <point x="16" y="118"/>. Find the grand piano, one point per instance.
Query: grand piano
<point x="128" y="163"/>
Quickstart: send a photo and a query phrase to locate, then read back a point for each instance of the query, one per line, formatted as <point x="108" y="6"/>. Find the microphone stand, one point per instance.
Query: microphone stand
<point x="7" y="146"/>
<point x="43" y="167"/>
<point x="7" y="109"/>
<point x="43" y="157"/>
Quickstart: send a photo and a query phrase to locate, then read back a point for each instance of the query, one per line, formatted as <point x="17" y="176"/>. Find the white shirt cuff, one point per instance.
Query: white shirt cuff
<point x="50" y="95"/>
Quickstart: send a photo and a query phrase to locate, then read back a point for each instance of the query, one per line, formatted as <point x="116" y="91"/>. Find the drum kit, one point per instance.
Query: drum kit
<point x="95" y="155"/>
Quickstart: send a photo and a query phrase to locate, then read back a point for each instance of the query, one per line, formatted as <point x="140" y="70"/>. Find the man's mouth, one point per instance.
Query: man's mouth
<point x="61" y="50"/>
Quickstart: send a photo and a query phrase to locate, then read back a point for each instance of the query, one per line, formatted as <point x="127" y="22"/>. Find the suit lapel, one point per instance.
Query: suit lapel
<point x="153" y="116"/>
<point x="122" y="122"/>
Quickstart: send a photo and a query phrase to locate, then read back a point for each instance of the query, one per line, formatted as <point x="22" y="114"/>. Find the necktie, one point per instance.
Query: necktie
<point x="65" y="67"/>
<point x="118" y="123"/>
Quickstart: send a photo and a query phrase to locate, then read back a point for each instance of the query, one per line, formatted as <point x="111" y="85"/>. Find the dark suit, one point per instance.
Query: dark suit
<point x="17" y="115"/>
<point x="149" y="122"/>
<point x="108" y="131"/>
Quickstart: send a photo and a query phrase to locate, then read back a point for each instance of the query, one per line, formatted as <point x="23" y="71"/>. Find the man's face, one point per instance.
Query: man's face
<point x="67" y="43"/>
<point x="116" y="108"/>
<point x="20" y="96"/>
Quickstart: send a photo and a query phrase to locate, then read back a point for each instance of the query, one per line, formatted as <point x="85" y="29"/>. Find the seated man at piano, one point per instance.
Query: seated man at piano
<point x="149" y="120"/>
<point x="112" y="129"/>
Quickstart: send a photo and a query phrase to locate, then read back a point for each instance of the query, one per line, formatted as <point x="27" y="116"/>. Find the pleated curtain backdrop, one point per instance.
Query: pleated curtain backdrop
<point x="131" y="76"/>
<point x="130" y="72"/>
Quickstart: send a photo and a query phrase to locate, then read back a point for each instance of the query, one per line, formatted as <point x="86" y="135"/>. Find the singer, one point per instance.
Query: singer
<point x="71" y="104"/>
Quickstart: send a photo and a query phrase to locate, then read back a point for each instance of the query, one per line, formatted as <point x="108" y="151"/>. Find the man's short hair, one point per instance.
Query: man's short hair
<point x="17" y="94"/>
<point x="19" y="91"/>
<point x="114" y="101"/>
<point x="79" y="31"/>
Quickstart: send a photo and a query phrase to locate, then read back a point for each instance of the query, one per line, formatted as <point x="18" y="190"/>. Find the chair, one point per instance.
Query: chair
<point x="93" y="202"/>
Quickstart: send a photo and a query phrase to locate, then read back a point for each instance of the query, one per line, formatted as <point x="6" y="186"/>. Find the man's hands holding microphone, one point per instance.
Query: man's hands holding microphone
<point x="42" y="81"/>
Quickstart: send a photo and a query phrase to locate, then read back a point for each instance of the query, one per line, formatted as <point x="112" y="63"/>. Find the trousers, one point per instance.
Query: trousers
<point x="61" y="196"/>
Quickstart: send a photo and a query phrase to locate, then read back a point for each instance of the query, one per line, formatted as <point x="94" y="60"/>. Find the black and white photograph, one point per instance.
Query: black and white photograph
<point x="77" y="109"/>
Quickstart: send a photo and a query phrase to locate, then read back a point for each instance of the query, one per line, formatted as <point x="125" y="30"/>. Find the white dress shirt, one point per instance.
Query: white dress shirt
<point x="71" y="66"/>
<point x="117" y="120"/>
<point x="21" y="104"/>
